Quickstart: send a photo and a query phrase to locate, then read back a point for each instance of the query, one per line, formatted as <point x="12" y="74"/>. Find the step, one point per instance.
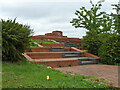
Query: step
<point x="57" y="49"/>
<point x="43" y="55"/>
<point x="87" y="60"/>
<point x="62" y="41"/>
<point x="57" y="62"/>
<point x="62" y="62"/>
<point x="71" y="54"/>
<point x="71" y="45"/>
<point x="38" y="49"/>
<point x="48" y="49"/>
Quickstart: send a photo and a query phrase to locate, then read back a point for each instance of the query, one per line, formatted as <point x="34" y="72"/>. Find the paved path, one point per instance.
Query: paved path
<point x="107" y="72"/>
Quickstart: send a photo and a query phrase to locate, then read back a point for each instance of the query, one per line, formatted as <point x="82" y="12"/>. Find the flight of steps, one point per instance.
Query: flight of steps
<point x="59" y="56"/>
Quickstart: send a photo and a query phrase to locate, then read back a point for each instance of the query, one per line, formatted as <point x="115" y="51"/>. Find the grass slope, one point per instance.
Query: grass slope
<point x="41" y="41"/>
<point x="30" y="75"/>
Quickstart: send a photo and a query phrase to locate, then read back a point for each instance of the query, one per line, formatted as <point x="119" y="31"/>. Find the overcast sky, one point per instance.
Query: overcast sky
<point x="45" y="17"/>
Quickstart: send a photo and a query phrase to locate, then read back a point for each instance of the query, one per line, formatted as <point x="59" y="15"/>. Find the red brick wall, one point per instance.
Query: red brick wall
<point x="57" y="33"/>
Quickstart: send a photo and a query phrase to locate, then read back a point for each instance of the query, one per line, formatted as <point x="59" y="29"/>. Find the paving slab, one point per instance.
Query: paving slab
<point x="107" y="72"/>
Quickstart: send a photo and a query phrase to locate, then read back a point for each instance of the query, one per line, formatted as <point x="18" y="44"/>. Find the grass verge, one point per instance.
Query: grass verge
<point x="42" y="41"/>
<point x="30" y="75"/>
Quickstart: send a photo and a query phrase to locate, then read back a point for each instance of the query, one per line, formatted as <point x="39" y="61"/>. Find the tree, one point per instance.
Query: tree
<point x="116" y="18"/>
<point x="95" y="22"/>
<point x="92" y="19"/>
<point x="109" y="51"/>
<point x="15" y="39"/>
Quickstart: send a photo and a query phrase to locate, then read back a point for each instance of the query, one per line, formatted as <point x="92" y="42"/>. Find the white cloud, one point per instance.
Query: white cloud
<point x="44" y="16"/>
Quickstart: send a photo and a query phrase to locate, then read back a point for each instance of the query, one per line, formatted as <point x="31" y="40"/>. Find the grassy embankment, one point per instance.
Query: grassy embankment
<point x="38" y="41"/>
<point x="30" y="75"/>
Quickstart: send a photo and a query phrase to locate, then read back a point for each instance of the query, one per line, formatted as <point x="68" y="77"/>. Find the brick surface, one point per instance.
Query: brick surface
<point x="58" y="63"/>
<point x="44" y="55"/>
<point x="107" y="72"/>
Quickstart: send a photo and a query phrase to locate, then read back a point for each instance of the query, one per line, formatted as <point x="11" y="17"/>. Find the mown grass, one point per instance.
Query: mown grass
<point x="30" y="75"/>
<point x="41" y="41"/>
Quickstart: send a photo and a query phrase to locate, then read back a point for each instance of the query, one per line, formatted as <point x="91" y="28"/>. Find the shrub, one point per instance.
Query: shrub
<point x="15" y="39"/>
<point x="91" y="42"/>
<point x="109" y="51"/>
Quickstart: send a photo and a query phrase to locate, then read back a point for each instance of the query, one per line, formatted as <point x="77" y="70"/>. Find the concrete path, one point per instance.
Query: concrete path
<point x="107" y="72"/>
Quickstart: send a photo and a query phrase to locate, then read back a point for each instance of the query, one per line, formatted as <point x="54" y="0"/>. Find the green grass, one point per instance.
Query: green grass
<point x="30" y="75"/>
<point x="33" y="45"/>
<point x="42" y="41"/>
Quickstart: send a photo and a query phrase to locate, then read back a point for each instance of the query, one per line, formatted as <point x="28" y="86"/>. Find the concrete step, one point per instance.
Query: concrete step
<point x="50" y="49"/>
<point x="89" y="60"/>
<point x="71" y="54"/>
<point x="57" y="49"/>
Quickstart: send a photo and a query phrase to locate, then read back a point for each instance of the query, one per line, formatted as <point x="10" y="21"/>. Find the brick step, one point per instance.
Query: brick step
<point x="87" y="60"/>
<point x="39" y="55"/>
<point x="67" y="44"/>
<point x="57" y="49"/>
<point x="71" y="54"/>
<point x="62" y="62"/>
<point x="38" y="49"/>
<point x="50" y="49"/>
<point x="71" y="45"/>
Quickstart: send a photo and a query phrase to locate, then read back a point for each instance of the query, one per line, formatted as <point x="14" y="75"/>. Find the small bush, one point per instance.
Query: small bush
<point x="91" y="42"/>
<point x="109" y="51"/>
<point x="15" y="39"/>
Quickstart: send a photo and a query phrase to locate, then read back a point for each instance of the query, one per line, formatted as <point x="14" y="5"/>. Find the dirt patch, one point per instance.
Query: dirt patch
<point x="107" y="72"/>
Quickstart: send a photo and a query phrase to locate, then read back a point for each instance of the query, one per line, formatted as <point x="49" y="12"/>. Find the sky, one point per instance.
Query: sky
<point x="45" y="16"/>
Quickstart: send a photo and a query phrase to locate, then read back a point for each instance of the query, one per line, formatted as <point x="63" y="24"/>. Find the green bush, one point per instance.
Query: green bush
<point x="91" y="42"/>
<point x="15" y="39"/>
<point x="109" y="51"/>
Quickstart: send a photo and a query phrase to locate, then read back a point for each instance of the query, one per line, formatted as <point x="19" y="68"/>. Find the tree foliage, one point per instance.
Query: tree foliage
<point x="109" y="51"/>
<point x="92" y="19"/>
<point x="91" y="42"/>
<point x="15" y="39"/>
<point x="103" y="36"/>
<point x="116" y="18"/>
